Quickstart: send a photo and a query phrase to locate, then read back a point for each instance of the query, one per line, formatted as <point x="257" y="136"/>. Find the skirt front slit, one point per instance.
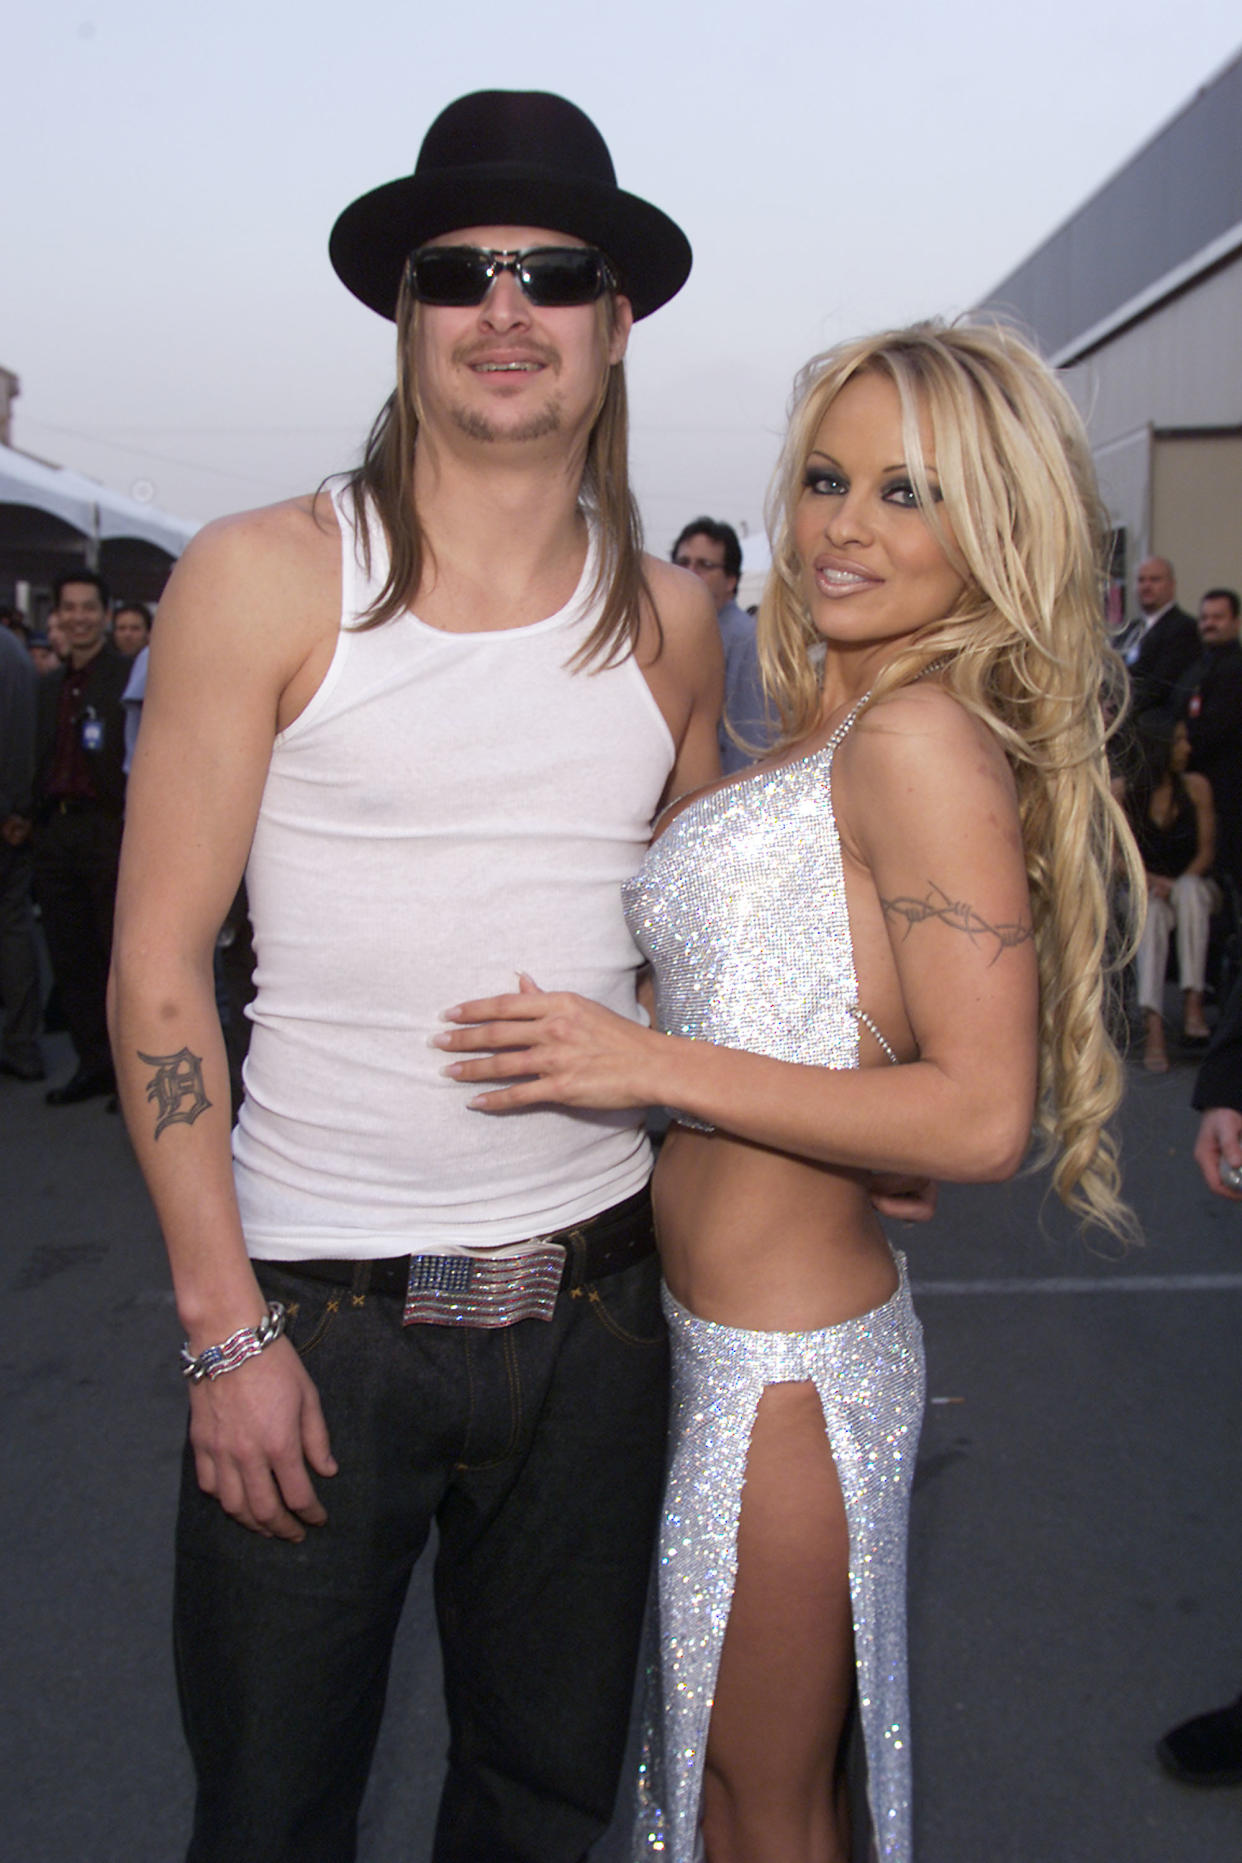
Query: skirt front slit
<point x="870" y="1378"/>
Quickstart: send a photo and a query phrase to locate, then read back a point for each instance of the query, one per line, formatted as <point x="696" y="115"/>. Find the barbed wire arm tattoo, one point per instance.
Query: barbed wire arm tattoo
<point x="958" y="916"/>
<point x="176" y="1087"/>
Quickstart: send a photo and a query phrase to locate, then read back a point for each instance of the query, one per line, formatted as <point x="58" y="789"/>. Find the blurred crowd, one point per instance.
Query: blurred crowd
<point x="70" y="699"/>
<point x="1178" y="763"/>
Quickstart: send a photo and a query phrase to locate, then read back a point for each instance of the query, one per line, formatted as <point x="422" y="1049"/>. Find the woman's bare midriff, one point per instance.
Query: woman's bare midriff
<point x="756" y="1238"/>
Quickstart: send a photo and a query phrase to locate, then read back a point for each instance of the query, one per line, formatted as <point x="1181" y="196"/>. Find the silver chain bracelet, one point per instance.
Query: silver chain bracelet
<point x="246" y="1342"/>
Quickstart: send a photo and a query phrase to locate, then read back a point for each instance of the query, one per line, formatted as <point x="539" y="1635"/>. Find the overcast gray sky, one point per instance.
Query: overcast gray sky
<point x="172" y="173"/>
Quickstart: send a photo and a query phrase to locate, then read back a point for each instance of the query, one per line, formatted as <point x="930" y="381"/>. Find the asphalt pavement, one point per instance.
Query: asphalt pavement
<point x="1075" y="1575"/>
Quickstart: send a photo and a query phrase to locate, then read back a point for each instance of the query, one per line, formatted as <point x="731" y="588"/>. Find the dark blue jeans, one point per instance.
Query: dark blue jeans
<point x="538" y="1451"/>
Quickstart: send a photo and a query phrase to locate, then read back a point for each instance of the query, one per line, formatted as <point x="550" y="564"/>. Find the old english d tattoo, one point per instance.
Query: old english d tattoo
<point x="176" y="1087"/>
<point x="958" y="916"/>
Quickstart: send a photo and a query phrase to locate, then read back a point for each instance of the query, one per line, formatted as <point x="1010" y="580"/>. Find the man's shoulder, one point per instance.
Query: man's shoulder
<point x="1172" y="620"/>
<point x="17" y="675"/>
<point x="1178" y="625"/>
<point x="12" y="653"/>
<point x="735" y="623"/>
<point x="289" y="534"/>
<point x="1221" y="685"/>
<point x="264" y="583"/>
<point x="684" y="607"/>
<point x="1174" y="635"/>
<point x="17" y="681"/>
<point x="136" y="684"/>
<point x="109" y="672"/>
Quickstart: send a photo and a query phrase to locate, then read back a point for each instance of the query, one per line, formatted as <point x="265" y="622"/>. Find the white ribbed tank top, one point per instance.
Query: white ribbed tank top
<point x="448" y="810"/>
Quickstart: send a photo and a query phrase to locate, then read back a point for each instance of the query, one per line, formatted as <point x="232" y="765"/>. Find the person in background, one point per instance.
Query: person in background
<point x="131" y="627"/>
<point x="1161" y="642"/>
<point x="20" y="1054"/>
<point x="79" y="804"/>
<point x="54" y="629"/>
<point x="43" y="656"/>
<point x="712" y="551"/>
<point x="132" y="701"/>
<point x="1170" y="812"/>
<point x="1207" y="1749"/>
<point x="1209" y="701"/>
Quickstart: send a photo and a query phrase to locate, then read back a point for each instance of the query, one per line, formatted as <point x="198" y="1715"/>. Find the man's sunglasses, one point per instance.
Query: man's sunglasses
<point x="550" y="276"/>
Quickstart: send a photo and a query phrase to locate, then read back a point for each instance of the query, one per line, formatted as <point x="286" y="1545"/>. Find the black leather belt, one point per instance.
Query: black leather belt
<point x="449" y="1288"/>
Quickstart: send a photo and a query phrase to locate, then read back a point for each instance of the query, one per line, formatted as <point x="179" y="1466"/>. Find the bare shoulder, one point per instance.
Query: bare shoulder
<point x="920" y="729"/>
<point x="919" y="757"/>
<point x="253" y="607"/>
<point x="273" y="557"/>
<point x="686" y="611"/>
<point x="1198" y="787"/>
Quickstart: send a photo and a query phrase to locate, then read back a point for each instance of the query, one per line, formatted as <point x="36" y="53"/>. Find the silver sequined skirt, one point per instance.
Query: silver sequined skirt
<point x="870" y="1378"/>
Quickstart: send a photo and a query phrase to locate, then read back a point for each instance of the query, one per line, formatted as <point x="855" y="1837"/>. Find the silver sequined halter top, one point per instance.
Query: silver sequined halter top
<point x="739" y="907"/>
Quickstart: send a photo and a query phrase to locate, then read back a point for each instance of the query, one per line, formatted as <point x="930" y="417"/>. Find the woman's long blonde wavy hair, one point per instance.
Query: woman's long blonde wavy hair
<point x="1025" y="649"/>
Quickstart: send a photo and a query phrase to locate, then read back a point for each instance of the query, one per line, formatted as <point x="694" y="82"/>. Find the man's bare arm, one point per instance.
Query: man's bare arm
<point x="232" y="640"/>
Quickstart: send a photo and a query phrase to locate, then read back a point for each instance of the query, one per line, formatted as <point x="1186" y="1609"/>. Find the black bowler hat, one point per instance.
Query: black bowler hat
<point x="509" y="158"/>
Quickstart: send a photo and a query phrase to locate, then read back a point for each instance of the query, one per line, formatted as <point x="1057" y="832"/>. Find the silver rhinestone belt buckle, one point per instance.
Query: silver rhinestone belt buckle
<point x="471" y="1290"/>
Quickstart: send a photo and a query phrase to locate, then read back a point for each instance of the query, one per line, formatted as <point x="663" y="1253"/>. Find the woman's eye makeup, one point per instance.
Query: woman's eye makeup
<point x="829" y="482"/>
<point x="901" y="492"/>
<point x="824" y="479"/>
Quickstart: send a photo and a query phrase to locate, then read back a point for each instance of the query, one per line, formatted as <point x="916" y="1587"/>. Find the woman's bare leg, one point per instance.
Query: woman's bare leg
<point x="787" y="1665"/>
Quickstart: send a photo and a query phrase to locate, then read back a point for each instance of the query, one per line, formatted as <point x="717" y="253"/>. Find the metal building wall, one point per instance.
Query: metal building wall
<point x="1177" y="372"/>
<point x="1181" y="192"/>
<point x="1180" y="366"/>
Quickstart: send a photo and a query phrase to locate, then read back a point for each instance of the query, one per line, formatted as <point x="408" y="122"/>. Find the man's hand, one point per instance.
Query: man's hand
<point x="1219" y="1142"/>
<point x="15" y="830"/>
<point x="909" y="1199"/>
<point x="253" y="1431"/>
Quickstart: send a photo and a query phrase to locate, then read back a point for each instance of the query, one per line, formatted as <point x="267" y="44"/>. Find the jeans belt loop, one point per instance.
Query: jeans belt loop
<point x="576" y="1249"/>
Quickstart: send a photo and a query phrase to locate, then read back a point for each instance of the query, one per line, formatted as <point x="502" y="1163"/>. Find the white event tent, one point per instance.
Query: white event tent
<point x="52" y="518"/>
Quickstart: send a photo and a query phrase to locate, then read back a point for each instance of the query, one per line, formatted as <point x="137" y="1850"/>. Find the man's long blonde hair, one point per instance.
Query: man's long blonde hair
<point x="1025" y="650"/>
<point x="386" y="476"/>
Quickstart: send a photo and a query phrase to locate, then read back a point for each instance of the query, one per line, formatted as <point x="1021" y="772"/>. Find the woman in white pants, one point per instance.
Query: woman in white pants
<point x="1170" y="810"/>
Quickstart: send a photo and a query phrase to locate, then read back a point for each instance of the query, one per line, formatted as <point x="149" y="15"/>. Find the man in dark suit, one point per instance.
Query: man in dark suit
<point x="79" y="804"/>
<point x="1207" y="1750"/>
<point x="1161" y="643"/>
<point x="1208" y="698"/>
